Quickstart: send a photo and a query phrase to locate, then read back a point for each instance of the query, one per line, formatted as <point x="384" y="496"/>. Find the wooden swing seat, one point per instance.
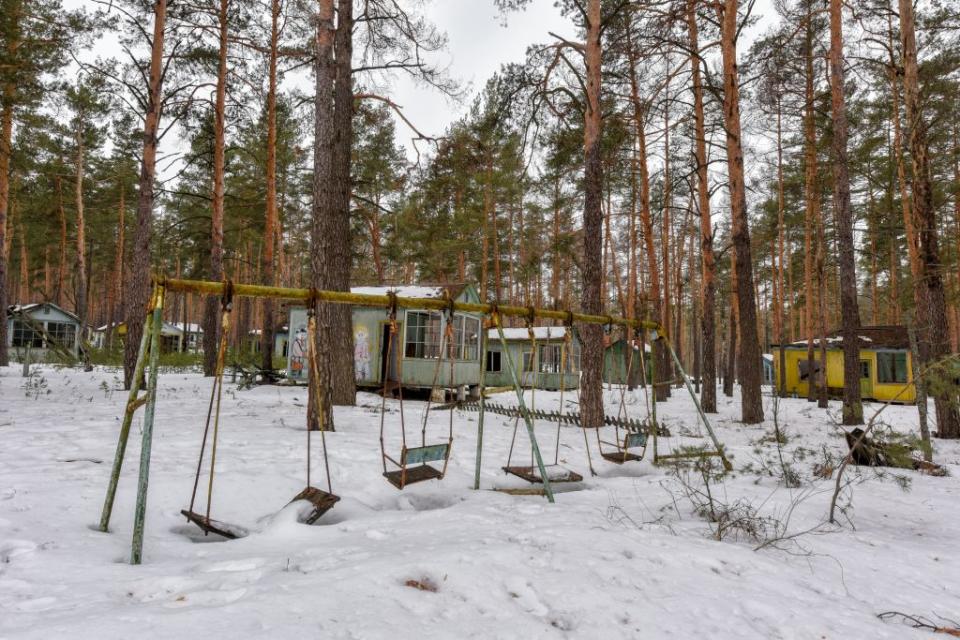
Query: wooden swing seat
<point x="209" y="525"/>
<point x="419" y="456"/>
<point x="321" y="501"/>
<point x="411" y="475"/>
<point x="620" y="458"/>
<point x="555" y="473"/>
<point x="631" y="440"/>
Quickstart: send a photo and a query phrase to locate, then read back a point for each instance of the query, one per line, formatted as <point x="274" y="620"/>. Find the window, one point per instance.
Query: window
<point x="62" y="332"/>
<point x="865" y="369"/>
<point x="550" y="358"/>
<point x="804" y="366"/>
<point x="466" y="338"/>
<point x="493" y="362"/>
<point x="527" y="361"/>
<point x="891" y="367"/>
<point x="24" y="336"/>
<point x="423" y="335"/>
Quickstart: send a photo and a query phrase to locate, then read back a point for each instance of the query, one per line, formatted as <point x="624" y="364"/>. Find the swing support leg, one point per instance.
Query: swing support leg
<point x="136" y="553"/>
<point x="528" y="420"/>
<point x="133" y="402"/>
<point x="483" y="369"/>
<point x="703" y="416"/>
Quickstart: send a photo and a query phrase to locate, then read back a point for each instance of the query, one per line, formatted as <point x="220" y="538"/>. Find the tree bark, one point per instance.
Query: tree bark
<point x="931" y="301"/>
<point x="211" y="313"/>
<point x="6" y="139"/>
<point x="320" y="411"/>
<point x="591" y="387"/>
<point x="812" y="209"/>
<point x="849" y="305"/>
<point x="708" y="395"/>
<point x="750" y="359"/>
<point x="340" y="258"/>
<point x="270" y="221"/>
<point x="138" y="281"/>
<point x="81" y="274"/>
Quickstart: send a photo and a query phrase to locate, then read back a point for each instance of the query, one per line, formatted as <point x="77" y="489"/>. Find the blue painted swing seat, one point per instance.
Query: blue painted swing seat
<point x="413" y="465"/>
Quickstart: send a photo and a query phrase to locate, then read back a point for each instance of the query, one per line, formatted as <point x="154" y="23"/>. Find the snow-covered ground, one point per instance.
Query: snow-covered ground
<point x="622" y="557"/>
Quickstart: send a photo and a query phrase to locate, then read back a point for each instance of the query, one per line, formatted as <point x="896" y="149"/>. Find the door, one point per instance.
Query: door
<point x="388" y="364"/>
<point x="866" y="380"/>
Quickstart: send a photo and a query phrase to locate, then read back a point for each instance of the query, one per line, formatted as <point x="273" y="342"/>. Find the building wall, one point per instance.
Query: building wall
<point x="44" y="314"/>
<point x="369" y="324"/>
<point x="883" y="392"/>
<point x="542" y="380"/>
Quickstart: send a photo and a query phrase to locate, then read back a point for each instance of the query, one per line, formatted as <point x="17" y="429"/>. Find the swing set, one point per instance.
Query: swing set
<point x="417" y="463"/>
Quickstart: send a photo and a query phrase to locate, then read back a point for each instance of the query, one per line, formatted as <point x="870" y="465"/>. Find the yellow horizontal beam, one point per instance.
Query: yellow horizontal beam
<point x="204" y="287"/>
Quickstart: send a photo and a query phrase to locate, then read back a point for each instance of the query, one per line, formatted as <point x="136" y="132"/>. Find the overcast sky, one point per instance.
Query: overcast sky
<point x="480" y="40"/>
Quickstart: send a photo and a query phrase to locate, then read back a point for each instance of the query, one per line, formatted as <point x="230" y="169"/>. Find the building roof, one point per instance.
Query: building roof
<point x="27" y="308"/>
<point x="413" y="291"/>
<point x="884" y="336"/>
<point x="521" y="333"/>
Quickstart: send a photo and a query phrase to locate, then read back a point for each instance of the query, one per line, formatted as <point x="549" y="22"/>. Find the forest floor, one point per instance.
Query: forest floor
<point x="624" y="556"/>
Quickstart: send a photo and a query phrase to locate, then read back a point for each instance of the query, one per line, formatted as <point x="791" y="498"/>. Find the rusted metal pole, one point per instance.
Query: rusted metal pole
<point x="483" y="402"/>
<point x="203" y="287"/>
<point x="527" y="418"/>
<point x="132" y="404"/>
<point x="141" y="508"/>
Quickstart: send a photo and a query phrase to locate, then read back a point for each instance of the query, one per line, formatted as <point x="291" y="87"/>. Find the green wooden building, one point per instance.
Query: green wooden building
<point x="543" y="370"/>
<point x="416" y="346"/>
<point x="617" y="361"/>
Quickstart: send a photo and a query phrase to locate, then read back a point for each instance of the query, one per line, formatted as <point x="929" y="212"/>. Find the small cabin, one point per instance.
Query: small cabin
<point x="618" y="361"/>
<point x="885" y="365"/>
<point x="550" y="368"/>
<point x="281" y="341"/>
<point x="767" y="362"/>
<point x="415" y="348"/>
<point x="171" y="336"/>
<point x="42" y="327"/>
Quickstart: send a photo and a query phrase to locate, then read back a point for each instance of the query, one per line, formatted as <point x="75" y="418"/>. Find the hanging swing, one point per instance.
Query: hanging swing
<point x="633" y="438"/>
<point x="413" y="464"/>
<point x="555" y="472"/>
<point x="321" y="500"/>
<point x="204" y="521"/>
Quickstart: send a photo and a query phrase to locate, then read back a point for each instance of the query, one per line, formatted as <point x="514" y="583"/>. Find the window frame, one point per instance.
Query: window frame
<point x="21" y="341"/>
<point x="429" y="332"/>
<point x="887" y="363"/>
<point x="499" y="355"/>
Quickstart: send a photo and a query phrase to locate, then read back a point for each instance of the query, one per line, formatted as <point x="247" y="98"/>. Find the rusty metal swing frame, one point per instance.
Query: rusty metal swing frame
<point x="146" y="371"/>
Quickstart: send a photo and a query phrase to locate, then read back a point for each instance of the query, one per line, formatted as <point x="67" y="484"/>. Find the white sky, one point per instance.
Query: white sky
<point x="480" y="40"/>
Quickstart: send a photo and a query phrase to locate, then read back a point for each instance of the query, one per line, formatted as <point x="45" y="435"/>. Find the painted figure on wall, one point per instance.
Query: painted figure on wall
<point x="361" y="354"/>
<point x="298" y="353"/>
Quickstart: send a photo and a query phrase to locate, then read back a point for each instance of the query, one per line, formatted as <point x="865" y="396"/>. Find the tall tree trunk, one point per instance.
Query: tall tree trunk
<point x="659" y="352"/>
<point x="931" y="307"/>
<point x="822" y="315"/>
<point x="339" y="260"/>
<point x="81" y="274"/>
<point x="138" y="282"/>
<point x="591" y="387"/>
<point x="812" y="209"/>
<point x="750" y="364"/>
<point x="118" y="261"/>
<point x="211" y="314"/>
<point x="781" y="384"/>
<point x="270" y="221"/>
<point x="708" y="395"/>
<point x="6" y="139"/>
<point x="849" y="306"/>
<point x="319" y="409"/>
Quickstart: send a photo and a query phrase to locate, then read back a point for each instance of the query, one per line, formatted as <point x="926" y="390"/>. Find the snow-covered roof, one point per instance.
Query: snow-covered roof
<point x="406" y="291"/>
<point x="521" y="333"/>
<point x="871" y="337"/>
<point x="27" y="308"/>
<point x="257" y="332"/>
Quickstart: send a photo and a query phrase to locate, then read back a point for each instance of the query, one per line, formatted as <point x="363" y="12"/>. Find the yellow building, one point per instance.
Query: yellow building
<point x="885" y="365"/>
